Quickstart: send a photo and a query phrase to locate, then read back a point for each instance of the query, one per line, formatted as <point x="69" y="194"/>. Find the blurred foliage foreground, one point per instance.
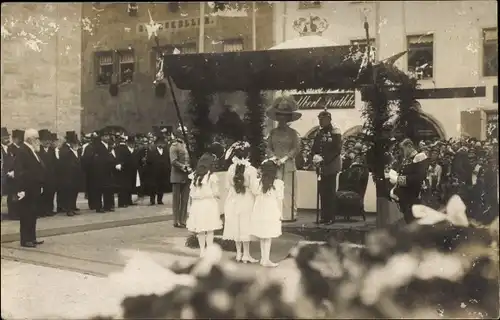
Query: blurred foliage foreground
<point x="443" y="265"/>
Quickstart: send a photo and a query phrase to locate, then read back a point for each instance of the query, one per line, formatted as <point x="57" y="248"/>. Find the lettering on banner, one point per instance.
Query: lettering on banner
<point x="343" y="100"/>
<point x="179" y="24"/>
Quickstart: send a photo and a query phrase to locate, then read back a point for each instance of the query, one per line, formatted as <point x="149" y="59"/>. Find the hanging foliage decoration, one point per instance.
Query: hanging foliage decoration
<point x="255" y="123"/>
<point x="202" y="127"/>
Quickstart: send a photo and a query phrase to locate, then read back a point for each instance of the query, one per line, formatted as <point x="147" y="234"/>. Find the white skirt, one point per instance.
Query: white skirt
<point x="237" y="212"/>
<point x="204" y="215"/>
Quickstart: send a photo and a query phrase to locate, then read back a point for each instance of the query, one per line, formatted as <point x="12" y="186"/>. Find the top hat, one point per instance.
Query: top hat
<point x="71" y="137"/>
<point x="5" y="133"/>
<point x="44" y="134"/>
<point x="18" y="134"/>
<point x="105" y="132"/>
<point x="284" y="106"/>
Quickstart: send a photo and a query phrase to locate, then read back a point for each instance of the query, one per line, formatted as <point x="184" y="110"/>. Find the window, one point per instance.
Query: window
<point x="309" y="4"/>
<point x="233" y="45"/>
<point x="132" y="9"/>
<point x="105" y="67"/>
<point x="361" y="43"/>
<point x="421" y="56"/>
<point x="490" y="52"/>
<point x="126" y="66"/>
<point x="187" y="48"/>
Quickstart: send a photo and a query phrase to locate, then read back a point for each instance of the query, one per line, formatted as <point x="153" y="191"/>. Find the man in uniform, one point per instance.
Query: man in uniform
<point x="408" y="181"/>
<point x="326" y="151"/>
<point x="48" y="156"/>
<point x="179" y="158"/>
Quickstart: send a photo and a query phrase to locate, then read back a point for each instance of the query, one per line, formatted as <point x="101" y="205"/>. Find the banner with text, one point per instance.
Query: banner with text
<point x="340" y="100"/>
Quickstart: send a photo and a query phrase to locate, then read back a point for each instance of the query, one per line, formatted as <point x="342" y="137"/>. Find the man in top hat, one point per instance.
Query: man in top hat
<point x="179" y="159"/>
<point x="5" y="141"/>
<point x="86" y="161"/>
<point x="102" y="166"/>
<point x="48" y="156"/>
<point x="12" y="149"/>
<point x="30" y="175"/>
<point x="126" y="175"/>
<point x="326" y="151"/>
<point x="158" y="162"/>
<point x="70" y="172"/>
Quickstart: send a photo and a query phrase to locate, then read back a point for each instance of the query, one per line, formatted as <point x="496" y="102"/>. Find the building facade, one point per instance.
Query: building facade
<point x="452" y="47"/>
<point x="41" y="66"/>
<point x="117" y="48"/>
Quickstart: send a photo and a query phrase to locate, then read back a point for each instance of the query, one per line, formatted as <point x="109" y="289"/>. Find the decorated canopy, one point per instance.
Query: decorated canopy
<point x="333" y="67"/>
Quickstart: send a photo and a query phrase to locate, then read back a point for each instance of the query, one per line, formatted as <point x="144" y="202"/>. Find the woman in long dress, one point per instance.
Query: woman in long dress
<point x="239" y="203"/>
<point x="283" y="145"/>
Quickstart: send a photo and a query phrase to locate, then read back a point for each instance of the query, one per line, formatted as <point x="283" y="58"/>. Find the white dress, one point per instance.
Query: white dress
<point x="238" y="207"/>
<point x="204" y="212"/>
<point x="266" y="217"/>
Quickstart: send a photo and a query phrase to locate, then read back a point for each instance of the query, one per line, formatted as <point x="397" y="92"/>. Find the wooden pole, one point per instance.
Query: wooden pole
<point x="377" y="30"/>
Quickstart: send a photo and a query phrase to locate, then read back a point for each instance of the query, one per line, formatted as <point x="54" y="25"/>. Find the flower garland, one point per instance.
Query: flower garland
<point x="255" y="123"/>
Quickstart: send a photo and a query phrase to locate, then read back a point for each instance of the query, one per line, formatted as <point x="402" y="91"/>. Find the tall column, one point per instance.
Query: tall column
<point x="254" y="27"/>
<point x="201" y="41"/>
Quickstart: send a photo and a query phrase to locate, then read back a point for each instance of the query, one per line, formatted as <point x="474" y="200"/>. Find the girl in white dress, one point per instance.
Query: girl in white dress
<point x="265" y="222"/>
<point x="240" y="200"/>
<point x="204" y="213"/>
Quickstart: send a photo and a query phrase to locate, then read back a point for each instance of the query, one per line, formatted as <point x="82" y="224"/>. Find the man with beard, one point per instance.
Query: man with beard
<point x="12" y="203"/>
<point x="48" y="156"/>
<point x="128" y="160"/>
<point x="408" y="181"/>
<point x="70" y="174"/>
<point x="102" y="166"/>
<point x="326" y="151"/>
<point x="29" y="172"/>
<point x="159" y="168"/>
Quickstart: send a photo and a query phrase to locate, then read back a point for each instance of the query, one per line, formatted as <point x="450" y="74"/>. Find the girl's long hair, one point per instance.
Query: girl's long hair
<point x="268" y="174"/>
<point x="239" y="172"/>
<point x="205" y="165"/>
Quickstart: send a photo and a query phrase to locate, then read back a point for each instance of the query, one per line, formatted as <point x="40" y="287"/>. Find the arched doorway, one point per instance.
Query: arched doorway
<point x="427" y="128"/>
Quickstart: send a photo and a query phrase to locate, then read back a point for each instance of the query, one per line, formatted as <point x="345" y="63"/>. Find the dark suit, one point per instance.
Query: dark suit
<point x="48" y="157"/>
<point x="328" y="144"/>
<point x="71" y="177"/>
<point x="30" y="173"/>
<point x="126" y="176"/>
<point x="102" y="167"/>
<point x="159" y="169"/>
<point x="86" y="162"/>
<point x="10" y="183"/>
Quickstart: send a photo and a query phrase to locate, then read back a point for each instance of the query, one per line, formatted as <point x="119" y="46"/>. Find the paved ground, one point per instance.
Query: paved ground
<point x="66" y="269"/>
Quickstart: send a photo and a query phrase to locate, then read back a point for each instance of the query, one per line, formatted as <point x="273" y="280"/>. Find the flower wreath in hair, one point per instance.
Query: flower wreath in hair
<point x="238" y="145"/>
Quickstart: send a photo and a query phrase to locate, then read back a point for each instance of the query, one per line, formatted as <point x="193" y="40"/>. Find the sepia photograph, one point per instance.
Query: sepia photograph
<point x="250" y="160"/>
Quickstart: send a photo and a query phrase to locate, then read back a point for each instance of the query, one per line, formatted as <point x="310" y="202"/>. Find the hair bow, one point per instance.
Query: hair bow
<point x="455" y="213"/>
<point x="238" y="161"/>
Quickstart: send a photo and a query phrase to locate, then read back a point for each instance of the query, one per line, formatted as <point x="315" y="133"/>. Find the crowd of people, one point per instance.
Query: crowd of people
<point x="103" y="164"/>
